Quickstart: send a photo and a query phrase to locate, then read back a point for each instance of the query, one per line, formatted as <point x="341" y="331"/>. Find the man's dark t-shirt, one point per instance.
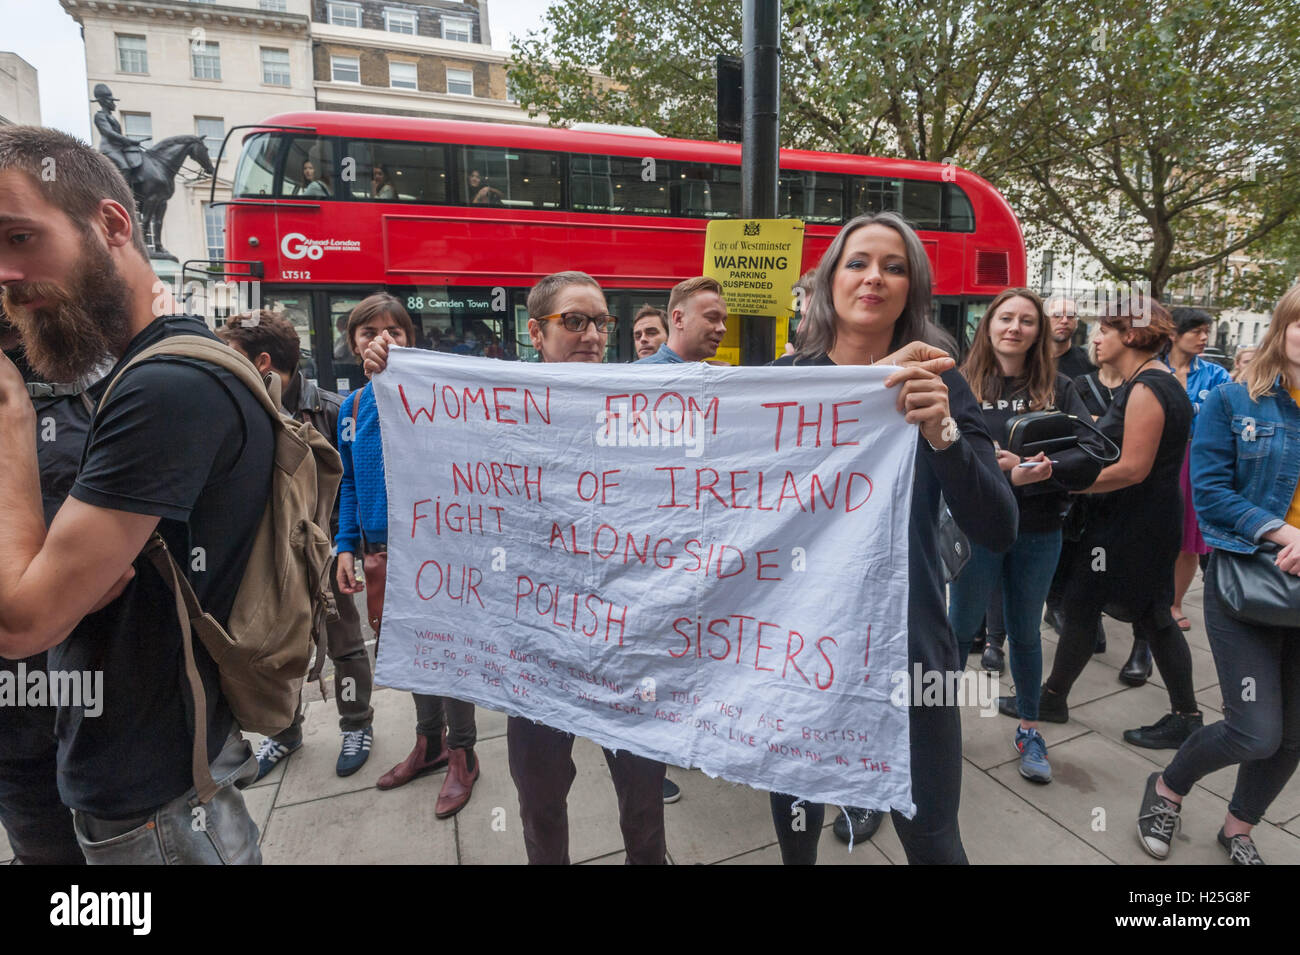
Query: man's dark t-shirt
<point x="1074" y="363"/>
<point x="188" y="442"/>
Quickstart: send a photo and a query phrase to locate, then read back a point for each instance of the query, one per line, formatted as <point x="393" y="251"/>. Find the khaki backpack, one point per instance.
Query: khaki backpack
<point x="284" y="597"/>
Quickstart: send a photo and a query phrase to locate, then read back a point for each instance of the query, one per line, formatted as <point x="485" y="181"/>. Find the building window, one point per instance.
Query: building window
<point x="137" y="126"/>
<point x="275" y="67"/>
<point x="205" y="58"/>
<point x="401" y="76"/>
<point x="345" y="14"/>
<point x="345" y="69"/>
<point x="132" y="57"/>
<point x="399" y="21"/>
<point x="460" y="82"/>
<point x="462" y="31"/>
<point x="213" y="132"/>
<point x="214" y="228"/>
<point x="512" y="94"/>
<point x="275" y="6"/>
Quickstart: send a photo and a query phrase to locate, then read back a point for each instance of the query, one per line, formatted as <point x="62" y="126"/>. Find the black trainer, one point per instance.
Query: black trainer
<point x="994" y="659"/>
<point x="865" y="823"/>
<point x="1168" y="732"/>
<point x="1051" y="708"/>
<point x="1158" y="820"/>
<point x="1241" y="849"/>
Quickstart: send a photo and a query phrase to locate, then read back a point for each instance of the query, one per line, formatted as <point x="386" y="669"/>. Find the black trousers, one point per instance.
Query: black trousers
<point x="932" y="836"/>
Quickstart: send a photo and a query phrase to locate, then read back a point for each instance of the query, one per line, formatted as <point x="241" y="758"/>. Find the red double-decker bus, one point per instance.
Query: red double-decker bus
<point x="459" y="219"/>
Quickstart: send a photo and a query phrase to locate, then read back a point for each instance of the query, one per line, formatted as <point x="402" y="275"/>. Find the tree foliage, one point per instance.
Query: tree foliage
<point x="1160" y="136"/>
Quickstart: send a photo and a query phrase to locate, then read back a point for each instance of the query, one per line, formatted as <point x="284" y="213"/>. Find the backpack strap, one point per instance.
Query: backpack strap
<point x="217" y="353"/>
<point x="187" y="610"/>
<point x="1092" y="385"/>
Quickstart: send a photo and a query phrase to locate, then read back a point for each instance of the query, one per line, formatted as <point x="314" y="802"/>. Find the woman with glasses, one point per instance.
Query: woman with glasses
<point x="871" y="298"/>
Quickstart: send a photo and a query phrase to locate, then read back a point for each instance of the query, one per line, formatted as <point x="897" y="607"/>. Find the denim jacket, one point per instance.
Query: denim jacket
<point x="1245" y="465"/>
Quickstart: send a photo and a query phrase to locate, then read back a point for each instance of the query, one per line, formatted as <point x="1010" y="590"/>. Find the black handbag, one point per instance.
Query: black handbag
<point x="1052" y="431"/>
<point x="954" y="547"/>
<point x="1255" y="590"/>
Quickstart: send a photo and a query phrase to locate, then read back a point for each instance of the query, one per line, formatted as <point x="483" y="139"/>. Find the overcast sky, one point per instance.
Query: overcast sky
<point x="46" y="37"/>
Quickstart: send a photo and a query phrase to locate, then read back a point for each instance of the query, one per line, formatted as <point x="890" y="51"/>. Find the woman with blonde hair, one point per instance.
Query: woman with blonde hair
<point x="1246" y="479"/>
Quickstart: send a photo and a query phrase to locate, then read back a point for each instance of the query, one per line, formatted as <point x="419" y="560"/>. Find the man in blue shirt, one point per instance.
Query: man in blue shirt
<point x="697" y="320"/>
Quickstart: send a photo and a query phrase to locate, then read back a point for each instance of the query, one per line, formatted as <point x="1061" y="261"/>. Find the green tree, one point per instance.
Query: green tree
<point x="1161" y="137"/>
<point x="936" y="80"/>
<point x="1176" y="142"/>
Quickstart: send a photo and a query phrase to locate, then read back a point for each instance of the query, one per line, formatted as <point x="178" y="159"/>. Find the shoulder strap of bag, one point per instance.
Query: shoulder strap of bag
<point x="187" y="609"/>
<point x="205" y="349"/>
<point x="1111" y="456"/>
<point x="1092" y="386"/>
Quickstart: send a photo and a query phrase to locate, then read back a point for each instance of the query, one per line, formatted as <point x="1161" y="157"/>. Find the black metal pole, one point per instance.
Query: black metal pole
<point x="762" y="98"/>
<point x="760" y="145"/>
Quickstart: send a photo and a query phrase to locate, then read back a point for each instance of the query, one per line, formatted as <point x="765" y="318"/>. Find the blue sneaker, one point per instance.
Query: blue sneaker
<point x="1033" y="756"/>
<point x="270" y="753"/>
<point x="355" y="751"/>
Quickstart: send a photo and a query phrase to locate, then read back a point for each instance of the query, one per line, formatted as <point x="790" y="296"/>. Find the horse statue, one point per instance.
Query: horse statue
<point x="153" y="184"/>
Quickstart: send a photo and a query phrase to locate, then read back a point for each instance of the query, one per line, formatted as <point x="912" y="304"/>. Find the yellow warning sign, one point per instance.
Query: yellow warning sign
<point x="757" y="262"/>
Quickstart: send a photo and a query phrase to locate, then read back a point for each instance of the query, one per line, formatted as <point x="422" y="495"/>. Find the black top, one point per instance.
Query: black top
<point x="1074" y="363"/>
<point x="967" y="475"/>
<point x="1140" y="528"/>
<point x="186" y="441"/>
<point x="1043" y="504"/>
<point x="1096" y="396"/>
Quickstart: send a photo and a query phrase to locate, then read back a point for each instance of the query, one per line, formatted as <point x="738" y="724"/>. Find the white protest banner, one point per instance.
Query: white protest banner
<point x="705" y="566"/>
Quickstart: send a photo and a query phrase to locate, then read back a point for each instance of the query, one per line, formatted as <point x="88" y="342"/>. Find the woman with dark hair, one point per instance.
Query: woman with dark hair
<point x="1125" y="560"/>
<point x="381" y="184"/>
<point x="1191" y="335"/>
<point x="871" y="298"/>
<point x="1246" y="477"/>
<point x="1011" y="371"/>
<point x="445" y="730"/>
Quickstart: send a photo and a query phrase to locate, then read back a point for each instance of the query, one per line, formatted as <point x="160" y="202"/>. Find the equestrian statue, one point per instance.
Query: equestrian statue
<point x="149" y="172"/>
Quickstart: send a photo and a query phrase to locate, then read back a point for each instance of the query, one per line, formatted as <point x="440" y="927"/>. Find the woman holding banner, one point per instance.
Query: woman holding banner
<point x="445" y="729"/>
<point x="871" y="304"/>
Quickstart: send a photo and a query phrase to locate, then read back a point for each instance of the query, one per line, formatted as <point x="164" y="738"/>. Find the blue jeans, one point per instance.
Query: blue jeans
<point x="181" y="832"/>
<point x="1026" y="574"/>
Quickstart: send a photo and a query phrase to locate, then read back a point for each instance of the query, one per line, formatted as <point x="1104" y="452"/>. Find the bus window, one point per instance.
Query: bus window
<point x="811" y="196"/>
<point x="456" y="319"/>
<point x="516" y="178"/>
<point x="255" y="175"/>
<point x="347" y="370"/>
<point x="706" y="191"/>
<point x="872" y="194"/>
<point x="923" y="203"/>
<point x="618" y="184"/>
<point x="957" y="213"/>
<point x="395" y="172"/>
<point x="309" y="169"/>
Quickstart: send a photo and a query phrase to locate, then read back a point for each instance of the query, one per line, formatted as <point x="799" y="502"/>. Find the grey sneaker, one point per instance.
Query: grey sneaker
<point x="1241" y="849"/>
<point x="1158" y="820"/>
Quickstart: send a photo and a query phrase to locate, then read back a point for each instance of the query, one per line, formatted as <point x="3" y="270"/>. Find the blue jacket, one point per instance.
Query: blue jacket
<point x="1245" y="465"/>
<point x="1202" y="378"/>
<point x="363" y="499"/>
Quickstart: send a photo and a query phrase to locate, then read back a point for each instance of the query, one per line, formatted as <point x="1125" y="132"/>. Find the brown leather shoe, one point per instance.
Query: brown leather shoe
<point x="417" y="764"/>
<point x="458" y="786"/>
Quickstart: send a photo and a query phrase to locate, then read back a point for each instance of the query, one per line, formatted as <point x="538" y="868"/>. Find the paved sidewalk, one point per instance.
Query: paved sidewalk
<point x="1086" y="815"/>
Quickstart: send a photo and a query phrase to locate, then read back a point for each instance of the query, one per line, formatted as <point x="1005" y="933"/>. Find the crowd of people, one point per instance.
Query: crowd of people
<point x="1152" y="462"/>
